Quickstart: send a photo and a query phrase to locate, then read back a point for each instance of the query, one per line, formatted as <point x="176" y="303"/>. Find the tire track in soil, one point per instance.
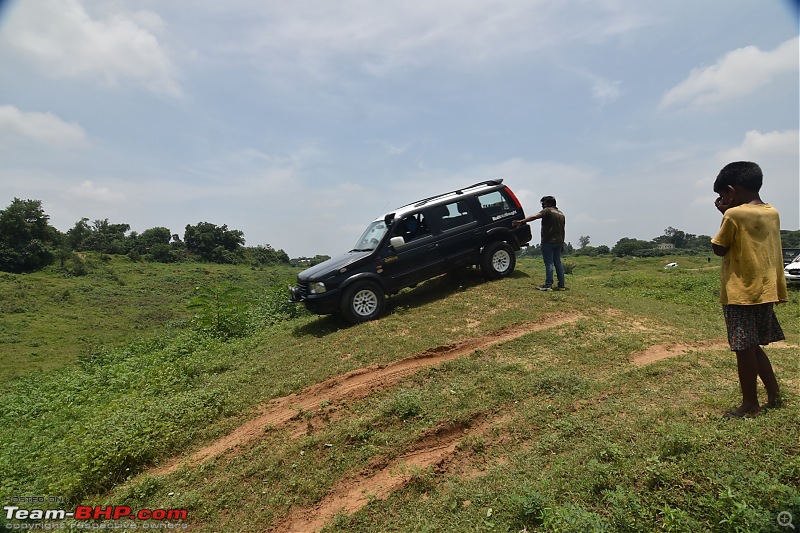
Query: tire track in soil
<point x="434" y="451"/>
<point x="378" y="480"/>
<point x="673" y="349"/>
<point x="354" y="492"/>
<point x="354" y="385"/>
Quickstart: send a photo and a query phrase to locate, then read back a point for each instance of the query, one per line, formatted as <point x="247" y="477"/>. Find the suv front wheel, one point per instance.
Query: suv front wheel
<point x="498" y="260"/>
<point x="363" y="301"/>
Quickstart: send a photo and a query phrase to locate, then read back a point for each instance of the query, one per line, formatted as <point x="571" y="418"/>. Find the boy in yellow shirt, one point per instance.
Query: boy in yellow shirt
<point x="752" y="279"/>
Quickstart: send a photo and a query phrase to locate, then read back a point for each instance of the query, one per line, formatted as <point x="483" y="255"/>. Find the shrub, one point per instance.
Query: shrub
<point x="220" y="311"/>
<point x="529" y="508"/>
<point x="273" y="307"/>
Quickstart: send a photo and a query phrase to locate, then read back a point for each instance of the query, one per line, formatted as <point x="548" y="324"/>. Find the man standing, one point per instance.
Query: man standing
<point x="553" y="237"/>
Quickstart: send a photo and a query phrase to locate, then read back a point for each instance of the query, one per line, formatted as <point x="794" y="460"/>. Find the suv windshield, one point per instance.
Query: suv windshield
<point x="371" y="237"/>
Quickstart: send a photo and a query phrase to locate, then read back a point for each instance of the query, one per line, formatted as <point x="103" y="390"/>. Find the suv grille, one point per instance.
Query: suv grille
<point x="302" y="289"/>
<point x="298" y="293"/>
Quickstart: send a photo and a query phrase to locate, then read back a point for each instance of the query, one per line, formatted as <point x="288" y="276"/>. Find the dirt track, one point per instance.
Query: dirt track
<point x="433" y="450"/>
<point x="354" y="385"/>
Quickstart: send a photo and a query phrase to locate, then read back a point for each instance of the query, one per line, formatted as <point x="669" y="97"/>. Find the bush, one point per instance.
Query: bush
<point x="162" y="253"/>
<point x="225" y="311"/>
<point x="274" y="307"/>
<point x="529" y="508"/>
<point x="220" y="311"/>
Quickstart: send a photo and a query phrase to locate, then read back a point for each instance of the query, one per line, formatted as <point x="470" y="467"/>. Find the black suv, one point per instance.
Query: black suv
<point x="470" y="226"/>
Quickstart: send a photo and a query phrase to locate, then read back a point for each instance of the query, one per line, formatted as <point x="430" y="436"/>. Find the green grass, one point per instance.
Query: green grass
<point x="50" y="318"/>
<point x="579" y="438"/>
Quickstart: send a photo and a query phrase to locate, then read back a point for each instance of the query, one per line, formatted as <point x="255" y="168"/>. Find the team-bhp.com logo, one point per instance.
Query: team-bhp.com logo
<point x="86" y="517"/>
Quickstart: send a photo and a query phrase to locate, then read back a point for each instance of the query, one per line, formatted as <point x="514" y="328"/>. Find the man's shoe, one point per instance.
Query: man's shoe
<point x="559" y="288"/>
<point x="544" y="288"/>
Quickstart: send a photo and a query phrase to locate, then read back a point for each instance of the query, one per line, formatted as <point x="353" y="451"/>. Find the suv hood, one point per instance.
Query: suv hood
<point x="331" y="267"/>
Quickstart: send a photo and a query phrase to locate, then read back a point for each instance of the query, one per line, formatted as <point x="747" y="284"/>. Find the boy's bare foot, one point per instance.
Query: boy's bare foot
<point x="743" y="412"/>
<point x="774" y="403"/>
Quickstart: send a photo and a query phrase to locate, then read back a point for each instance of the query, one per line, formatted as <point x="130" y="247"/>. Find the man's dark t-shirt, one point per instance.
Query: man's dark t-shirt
<point x="552" y="225"/>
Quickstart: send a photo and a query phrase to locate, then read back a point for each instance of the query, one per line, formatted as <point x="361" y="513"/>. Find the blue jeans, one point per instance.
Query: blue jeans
<point x="551" y="253"/>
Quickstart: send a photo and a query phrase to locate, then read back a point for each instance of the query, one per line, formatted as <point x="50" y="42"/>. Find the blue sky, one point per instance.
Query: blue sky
<point x="299" y="122"/>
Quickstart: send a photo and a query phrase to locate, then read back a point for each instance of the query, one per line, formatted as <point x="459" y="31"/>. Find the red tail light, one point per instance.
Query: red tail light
<point x="514" y="197"/>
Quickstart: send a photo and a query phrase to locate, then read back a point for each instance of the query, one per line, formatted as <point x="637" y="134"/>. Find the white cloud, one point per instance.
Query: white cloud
<point x="64" y="41"/>
<point x="778" y="155"/>
<point x="382" y="39"/>
<point x="737" y="74"/>
<point x="757" y="146"/>
<point x="42" y="127"/>
<point x="605" y="91"/>
<point x="89" y="191"/>
<point x="532" y="180"/>
<point x="391" y="149"/>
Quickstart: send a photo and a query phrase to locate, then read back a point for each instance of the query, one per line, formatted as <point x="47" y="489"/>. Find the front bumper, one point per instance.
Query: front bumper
<point x="320" y="304"/>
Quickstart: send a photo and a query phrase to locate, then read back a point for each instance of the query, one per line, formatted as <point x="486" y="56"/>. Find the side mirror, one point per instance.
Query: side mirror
<point x="397" y="242"/>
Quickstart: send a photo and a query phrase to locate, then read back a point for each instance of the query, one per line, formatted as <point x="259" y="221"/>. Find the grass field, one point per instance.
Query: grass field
<point x="469" y="406"/>
<point x="49" y="318"/>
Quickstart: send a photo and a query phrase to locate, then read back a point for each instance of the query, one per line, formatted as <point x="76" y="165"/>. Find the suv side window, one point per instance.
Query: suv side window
<point x="412" y="227"/>
<point x="494" y="203"/>
<point x="453" y="215"/>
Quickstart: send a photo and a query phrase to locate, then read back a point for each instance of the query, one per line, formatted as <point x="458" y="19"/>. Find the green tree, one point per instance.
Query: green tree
<point x="628" y="246"/>
<point x="26" y="237"/>
<point x="107" y="238"/>
<point x="790" y="239"/>
<point x="698" y="242"/>
<point x="309" y="261"/>
<point x="101" y="236"/>
<point x="267" y="255"/>
<point x="153" y="236"/>
<point x="583" y="241"/>
<point x="213" y="243"/>
<point x="78" y="234"/>
<point x="153" y="243"/>
<point x="532" y="250"/>
<point x="676" y="237"/>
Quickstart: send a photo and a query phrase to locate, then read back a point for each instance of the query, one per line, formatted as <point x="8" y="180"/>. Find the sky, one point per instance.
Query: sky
<point x="300" y="122"/>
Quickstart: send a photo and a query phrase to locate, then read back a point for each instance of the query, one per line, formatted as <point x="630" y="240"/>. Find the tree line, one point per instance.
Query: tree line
<point x="28" y="242"/>
<point x="673" y="241"/>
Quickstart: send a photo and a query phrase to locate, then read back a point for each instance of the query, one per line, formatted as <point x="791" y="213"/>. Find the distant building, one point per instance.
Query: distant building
<point x="665" y="246"/>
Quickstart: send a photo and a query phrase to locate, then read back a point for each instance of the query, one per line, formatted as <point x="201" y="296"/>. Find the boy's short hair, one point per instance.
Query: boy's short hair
<point x="548" y="201"/>
<point x="742" y="173"/>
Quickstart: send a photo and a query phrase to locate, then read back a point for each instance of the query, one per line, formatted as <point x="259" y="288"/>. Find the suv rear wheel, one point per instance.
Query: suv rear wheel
<point x="498" y="260"/>
<point x="363" y="301"/>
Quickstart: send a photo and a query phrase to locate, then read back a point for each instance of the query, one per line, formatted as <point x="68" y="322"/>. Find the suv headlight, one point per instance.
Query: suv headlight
<point x="316" y="287"/>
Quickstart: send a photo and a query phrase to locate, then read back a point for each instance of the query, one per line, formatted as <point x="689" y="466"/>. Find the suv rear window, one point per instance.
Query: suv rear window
<point x="494" y="203"/>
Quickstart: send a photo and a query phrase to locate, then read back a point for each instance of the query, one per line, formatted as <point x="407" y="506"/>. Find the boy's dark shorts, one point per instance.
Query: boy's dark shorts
<point x="751" y="325"/>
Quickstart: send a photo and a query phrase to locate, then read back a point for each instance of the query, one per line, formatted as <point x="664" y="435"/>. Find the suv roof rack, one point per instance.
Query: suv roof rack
<point x="420" y="203"/>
